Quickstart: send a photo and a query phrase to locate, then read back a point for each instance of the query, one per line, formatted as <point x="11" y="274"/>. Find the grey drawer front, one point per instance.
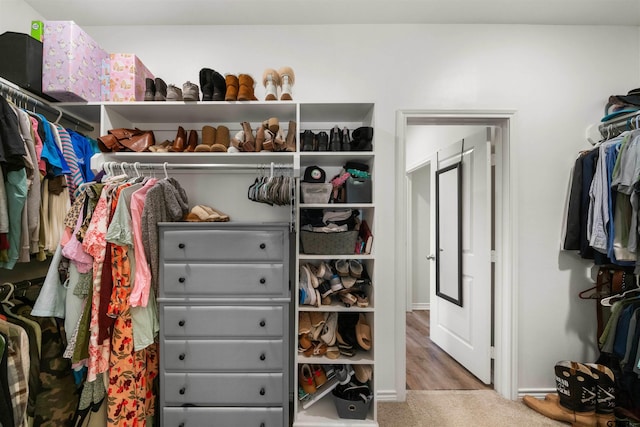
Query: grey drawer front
<point x="223" y="280"/>
<point x="230" y="355"/>
<point x="223" y="417"/>
<point x="222" y="321"/>
<point x="239" y="389"/>
<point x="224" y="245"/>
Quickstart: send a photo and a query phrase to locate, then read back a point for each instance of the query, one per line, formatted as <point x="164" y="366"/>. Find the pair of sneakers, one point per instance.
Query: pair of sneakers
<point x="189" y="92"/>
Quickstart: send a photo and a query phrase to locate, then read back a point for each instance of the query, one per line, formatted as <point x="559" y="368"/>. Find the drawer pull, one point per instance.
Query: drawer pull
<point x="262" y="425"/>
<point x="263" y="356"/>
<point x="181" y="280"/>
<point x="263" y="323"/>
<point x="181" y="425"/>
<point x="263" y="245"/>
<point x="181" y="245"/>
<point x="263" y="280"/>
<point x="262" y="391"/>
<point x="182" y="390"/>
<point x="182" y="356"/>
<point x="181" y="323"/>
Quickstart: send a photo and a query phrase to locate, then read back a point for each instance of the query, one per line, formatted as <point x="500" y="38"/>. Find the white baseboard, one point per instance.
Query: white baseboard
<point x="538" y="393"/>
<point x="387" y="396"/>
<point x="420" y="306"/>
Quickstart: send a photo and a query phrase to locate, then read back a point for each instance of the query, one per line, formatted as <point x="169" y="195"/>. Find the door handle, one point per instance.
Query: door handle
<point x="431" y="257"/>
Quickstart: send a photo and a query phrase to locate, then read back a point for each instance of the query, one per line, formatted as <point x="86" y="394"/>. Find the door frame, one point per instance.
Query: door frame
<point x="506" y="296"/>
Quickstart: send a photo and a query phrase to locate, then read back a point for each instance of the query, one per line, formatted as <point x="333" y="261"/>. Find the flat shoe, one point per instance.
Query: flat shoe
<point x="329" y="330"/>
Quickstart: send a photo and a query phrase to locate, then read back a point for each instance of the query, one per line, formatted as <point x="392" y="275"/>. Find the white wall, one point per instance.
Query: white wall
<point x="556" y="77"/>
<point x="16" y="15"/>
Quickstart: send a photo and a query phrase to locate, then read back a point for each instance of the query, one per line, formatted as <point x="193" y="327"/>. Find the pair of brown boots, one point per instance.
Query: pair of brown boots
<point x="268" y="137"/>
<point x="585" y="398"/>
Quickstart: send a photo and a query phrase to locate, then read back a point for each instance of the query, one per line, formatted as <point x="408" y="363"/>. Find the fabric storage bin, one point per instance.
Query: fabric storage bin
<point x="338" y="243"/>
<point x="358" y="190"/>
<point x="127" y="75"/>
<point x="352" y="409"/>
<point x="71" y="63"/>
<point x="315" y="192"/>
<point x="22" y="60"/>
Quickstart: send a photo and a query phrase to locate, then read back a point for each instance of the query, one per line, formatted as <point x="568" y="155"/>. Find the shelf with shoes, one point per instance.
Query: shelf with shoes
<point x="323" y="282"/>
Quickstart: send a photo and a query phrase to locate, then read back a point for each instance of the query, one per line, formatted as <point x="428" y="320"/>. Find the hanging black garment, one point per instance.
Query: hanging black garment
<point x="12" y="148"/>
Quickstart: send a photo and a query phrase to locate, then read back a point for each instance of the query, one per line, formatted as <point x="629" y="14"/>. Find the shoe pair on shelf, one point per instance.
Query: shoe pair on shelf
<point x="311" y="377"/>
<point x="275" y="81"/>
<point x="158" y="90"/>
<point x="215" y="87"/>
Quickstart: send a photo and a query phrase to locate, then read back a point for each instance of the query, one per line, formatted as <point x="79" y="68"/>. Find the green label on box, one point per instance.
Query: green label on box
<point x="37" y="30"/>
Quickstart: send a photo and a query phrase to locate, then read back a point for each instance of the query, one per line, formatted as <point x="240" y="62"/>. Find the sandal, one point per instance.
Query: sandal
<point x="348" y="299"/>
<point x="333" y="352"/>
<point x="363" y="333"/>
<point x="324" y="271"/>
<point x="363" y="373"/>
<point x="318" y="349"/>
<point x="342" y="267"/>
<point x="355" y="268"/>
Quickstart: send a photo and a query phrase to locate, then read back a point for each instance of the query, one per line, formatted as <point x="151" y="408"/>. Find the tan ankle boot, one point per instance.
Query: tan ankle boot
<point x="233" y="86"/>
<point x="245" y="91"/>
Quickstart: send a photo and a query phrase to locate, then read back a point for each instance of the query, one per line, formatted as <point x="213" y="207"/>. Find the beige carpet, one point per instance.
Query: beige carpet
<point x="458" y="408"/>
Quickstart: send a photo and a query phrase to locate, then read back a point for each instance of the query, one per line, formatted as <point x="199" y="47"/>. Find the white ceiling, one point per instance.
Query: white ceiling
<point x="305" y="12"/>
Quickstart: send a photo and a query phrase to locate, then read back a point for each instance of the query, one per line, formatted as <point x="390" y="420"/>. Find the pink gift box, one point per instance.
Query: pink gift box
<point x="71" y="63"/>
<point x="127" y="77"/>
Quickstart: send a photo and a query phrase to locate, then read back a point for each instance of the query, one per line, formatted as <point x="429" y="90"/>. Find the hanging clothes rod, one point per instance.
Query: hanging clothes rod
<point x="12" y="91"/>
<point x="106" y="166"/>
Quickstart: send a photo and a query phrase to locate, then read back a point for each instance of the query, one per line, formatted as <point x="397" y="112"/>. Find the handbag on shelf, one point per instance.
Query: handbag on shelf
<point x="126" y="140"/>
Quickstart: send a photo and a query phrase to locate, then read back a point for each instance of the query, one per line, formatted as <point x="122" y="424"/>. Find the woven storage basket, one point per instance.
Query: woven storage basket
<point x="315" y="192"/>
<point x="339" y="243"/>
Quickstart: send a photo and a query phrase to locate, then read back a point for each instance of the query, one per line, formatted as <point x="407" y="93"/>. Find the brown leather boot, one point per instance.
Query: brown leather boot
<point x="245" y="91"/>
<point x="290" y="140"/>
<point x="249" y="143"/>
<point x="192" y="141"/>
<point x="233" y="85"/>
<point x="180" y="143"/>
<point x="259" y="138"/>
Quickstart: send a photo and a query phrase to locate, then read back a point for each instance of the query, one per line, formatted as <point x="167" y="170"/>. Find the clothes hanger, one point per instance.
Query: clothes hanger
<point x="10" y="288"/>
<point x="608" y="301"/>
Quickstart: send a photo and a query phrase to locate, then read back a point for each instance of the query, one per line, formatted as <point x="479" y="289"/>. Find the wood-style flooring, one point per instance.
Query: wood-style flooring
<point x="428" y="366"/>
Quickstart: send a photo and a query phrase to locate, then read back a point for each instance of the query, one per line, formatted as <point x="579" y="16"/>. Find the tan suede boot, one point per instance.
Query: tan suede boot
<point x="222" y="139"/>
<point x="245" y="91"/>
<point x="233" y="85"/>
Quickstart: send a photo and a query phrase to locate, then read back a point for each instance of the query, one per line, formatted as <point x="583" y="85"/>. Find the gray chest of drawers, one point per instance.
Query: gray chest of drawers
<point x="224" y="324"/>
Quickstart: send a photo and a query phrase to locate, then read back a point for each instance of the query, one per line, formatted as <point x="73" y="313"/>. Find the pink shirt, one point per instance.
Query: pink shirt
<point x="142" y="283"/>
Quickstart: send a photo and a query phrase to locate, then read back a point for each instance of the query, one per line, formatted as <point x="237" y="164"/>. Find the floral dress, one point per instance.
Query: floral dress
<point x="130" y="397"/>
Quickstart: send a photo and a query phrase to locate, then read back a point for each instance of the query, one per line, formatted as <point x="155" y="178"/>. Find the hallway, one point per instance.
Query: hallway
<point x="430" y="368"/>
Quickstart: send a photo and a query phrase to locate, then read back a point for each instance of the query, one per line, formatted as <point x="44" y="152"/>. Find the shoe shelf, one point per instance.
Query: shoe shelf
<point x="324" y="413"/>
<point x="360" y="357"/>
<point x="338" y="307"/>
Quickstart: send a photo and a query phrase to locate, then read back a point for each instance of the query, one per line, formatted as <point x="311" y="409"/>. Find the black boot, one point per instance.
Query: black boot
<point x="307" y="138"/>
<point x="346" y="140"/>
<point x="206" y="84"/>
<point x="335" y="139"/>
<point x="161" y="90"/>
<point x="323" y="141"/>
<point x="150" y="90"/>
<point x="219" y="86"/>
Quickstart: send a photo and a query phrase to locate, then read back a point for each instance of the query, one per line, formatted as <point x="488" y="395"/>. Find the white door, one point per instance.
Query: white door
<point x="464" y="332"/>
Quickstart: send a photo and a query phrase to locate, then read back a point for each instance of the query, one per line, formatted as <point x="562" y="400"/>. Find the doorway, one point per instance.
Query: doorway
<point x="414" y="271"/>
